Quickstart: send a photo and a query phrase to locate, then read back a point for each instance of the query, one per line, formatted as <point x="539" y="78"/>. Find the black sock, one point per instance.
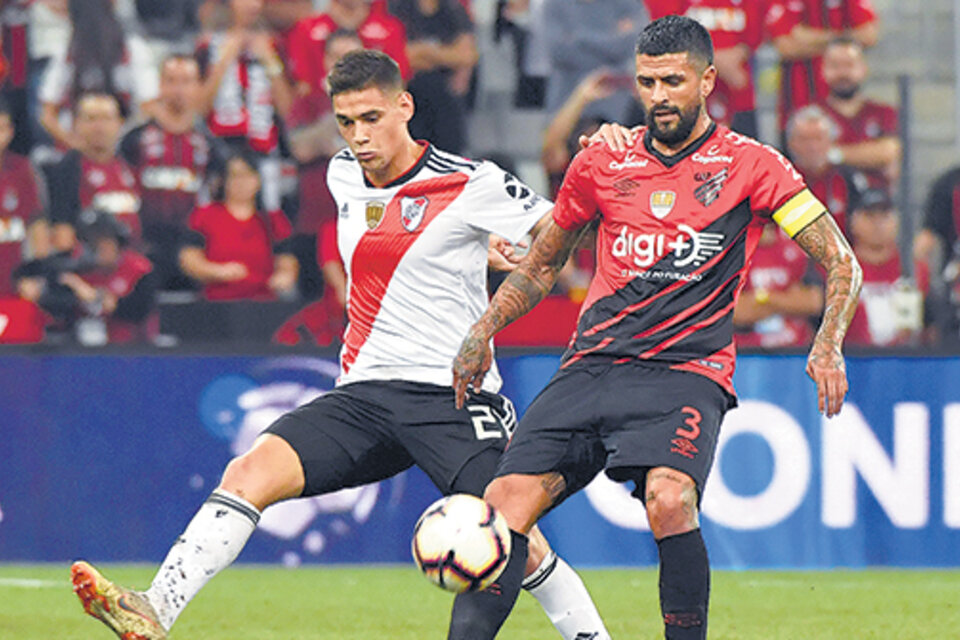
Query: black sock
<point x="684" y="585"/>
<point x="480" y="614"/>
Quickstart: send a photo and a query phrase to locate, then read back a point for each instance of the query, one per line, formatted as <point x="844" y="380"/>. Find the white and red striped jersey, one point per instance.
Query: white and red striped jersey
<point x="415" y="253"/>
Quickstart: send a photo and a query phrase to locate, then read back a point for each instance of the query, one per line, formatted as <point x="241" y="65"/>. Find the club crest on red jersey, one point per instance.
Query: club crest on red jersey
<point x="375" y="209"/>
<point x="661" y="203"/>
<point x="412" y="210"/>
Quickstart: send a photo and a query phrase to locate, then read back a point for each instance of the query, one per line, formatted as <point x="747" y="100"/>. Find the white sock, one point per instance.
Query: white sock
<point x="565" y="600"/>
<point x="211" y="542"/>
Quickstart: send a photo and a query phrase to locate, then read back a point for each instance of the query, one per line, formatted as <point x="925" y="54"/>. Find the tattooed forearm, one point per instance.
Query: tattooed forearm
<point x="823" y="240"/>
<point x="532" y="280"/>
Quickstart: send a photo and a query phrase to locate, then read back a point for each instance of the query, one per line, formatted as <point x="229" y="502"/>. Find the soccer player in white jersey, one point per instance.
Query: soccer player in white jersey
<point x="413" y="230"/>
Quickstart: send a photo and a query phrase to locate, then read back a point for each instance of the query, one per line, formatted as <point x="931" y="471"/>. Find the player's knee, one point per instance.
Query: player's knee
<point x="671" y="505"/>
<point x="265" y="474"/>
<point x="510" y="496"/>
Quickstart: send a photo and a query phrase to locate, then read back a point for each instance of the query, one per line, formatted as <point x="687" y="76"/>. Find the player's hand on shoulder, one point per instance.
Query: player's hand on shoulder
<point x="504" y="256"/>
<point x="616" y="136"/>
<point x="471" y="364"/>
<point x="827" y="369"/>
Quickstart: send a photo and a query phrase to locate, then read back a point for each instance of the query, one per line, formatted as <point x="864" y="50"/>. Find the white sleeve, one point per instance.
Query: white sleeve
<point x="498" y="202"/>
<point x="146" y="72"/>
<point x="55" y="86"/>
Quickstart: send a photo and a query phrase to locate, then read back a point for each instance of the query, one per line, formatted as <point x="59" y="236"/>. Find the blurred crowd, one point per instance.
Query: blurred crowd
<point x="176" y="150"/>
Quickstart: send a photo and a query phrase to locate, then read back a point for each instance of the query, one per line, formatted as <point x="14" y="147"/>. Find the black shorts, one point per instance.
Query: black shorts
<point x="626" y="418"/>
<point x="368" y="431"/>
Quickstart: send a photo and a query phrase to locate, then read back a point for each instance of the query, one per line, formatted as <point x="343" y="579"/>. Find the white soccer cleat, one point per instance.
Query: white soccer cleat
<point x="127" y="613"/>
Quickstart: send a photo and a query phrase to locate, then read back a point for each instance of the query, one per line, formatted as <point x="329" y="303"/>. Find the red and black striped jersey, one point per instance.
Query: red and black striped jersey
<point x="674" y="242"/>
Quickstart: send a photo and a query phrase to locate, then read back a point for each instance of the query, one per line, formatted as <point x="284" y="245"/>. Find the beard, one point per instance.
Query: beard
<point x="844" y="91"/>
<point x="675" y="133"/>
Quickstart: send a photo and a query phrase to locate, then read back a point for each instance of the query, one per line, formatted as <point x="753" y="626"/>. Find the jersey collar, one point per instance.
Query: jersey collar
<point x="670" y="161"/>
<point x="407" y="175"/>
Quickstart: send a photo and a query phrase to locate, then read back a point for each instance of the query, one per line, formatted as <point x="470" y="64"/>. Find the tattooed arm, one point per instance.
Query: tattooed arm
<point x="526" y="286"/>
<point x="823" y="240"/>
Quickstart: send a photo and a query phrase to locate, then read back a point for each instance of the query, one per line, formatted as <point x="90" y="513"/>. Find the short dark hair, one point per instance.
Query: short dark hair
<point x="676" y="34"/>
<point x="365" y="68"/>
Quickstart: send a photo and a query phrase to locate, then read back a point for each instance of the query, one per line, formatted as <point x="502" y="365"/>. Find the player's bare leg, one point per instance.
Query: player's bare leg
<point x="671" y="498"/>
<point x="271" y="471"/>
<point x="521" y="499"/>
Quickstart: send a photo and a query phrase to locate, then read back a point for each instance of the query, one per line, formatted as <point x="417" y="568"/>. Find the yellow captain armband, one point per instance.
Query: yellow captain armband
<point x="798" y="212"/>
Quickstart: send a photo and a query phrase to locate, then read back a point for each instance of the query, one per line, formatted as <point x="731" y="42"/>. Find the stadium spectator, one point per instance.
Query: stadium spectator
<point x="24" y="232"/>
<point x="100" y="58"/>
<point x="167" y="26"/>
<point x="442" y="51"/>
<point x="653" y="348"/>
<point x="15" y="71"/>
<point x="584" y="36"/>
<point x="377" y="30"/>
<point x="736" y="27"/>
<point x="811" y="133"/>
<point x="92" y="175"/>
<point x="170" y="154"/>
<point x="393" y="406"/>
<point x="244" y="86"/>
<point x="560" y="138"/>
<point x="235" y="249"/>
<point x="113" y="284"/>
<point x="778" y="302"/>
<point x="891" y="309"/>
<point x="526" y="22"/>
<point x="938" y="240"/>
<point x="48" y="38"/>
<point x="22" y="319"/>
<point x="313" y="138"/>
<point x="801" y="30"/>
<point x="869" y="134"/>
<point x="245" y="91"/>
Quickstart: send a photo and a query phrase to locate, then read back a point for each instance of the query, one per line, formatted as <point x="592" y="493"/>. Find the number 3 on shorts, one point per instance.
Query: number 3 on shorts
<point x="489" y="424"/>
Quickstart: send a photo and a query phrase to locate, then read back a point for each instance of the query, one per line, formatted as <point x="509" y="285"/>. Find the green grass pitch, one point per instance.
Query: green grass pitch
<point x="351" y="603"/>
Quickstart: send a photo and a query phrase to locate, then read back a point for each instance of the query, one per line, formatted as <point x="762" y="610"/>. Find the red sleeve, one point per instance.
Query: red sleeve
<point x="280" y="228"/>
<point x="780" y="19"/>
<point x="301" y="62"/>
<point x="30" y="203"/>
<point x="197" y="220"/>
<point x="890" y="121"/>
<point x="861" y="12"/>
<point x="327" y="250"/>
<point x="775" y="181"/>
<point x="576" y="203"/>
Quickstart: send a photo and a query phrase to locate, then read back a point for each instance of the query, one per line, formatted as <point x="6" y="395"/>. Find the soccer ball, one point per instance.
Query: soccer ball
<point x="461" y="543"/>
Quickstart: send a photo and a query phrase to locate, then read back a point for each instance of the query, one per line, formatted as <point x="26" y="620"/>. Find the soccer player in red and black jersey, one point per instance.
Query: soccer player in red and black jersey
<point x="645" y="384"/>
